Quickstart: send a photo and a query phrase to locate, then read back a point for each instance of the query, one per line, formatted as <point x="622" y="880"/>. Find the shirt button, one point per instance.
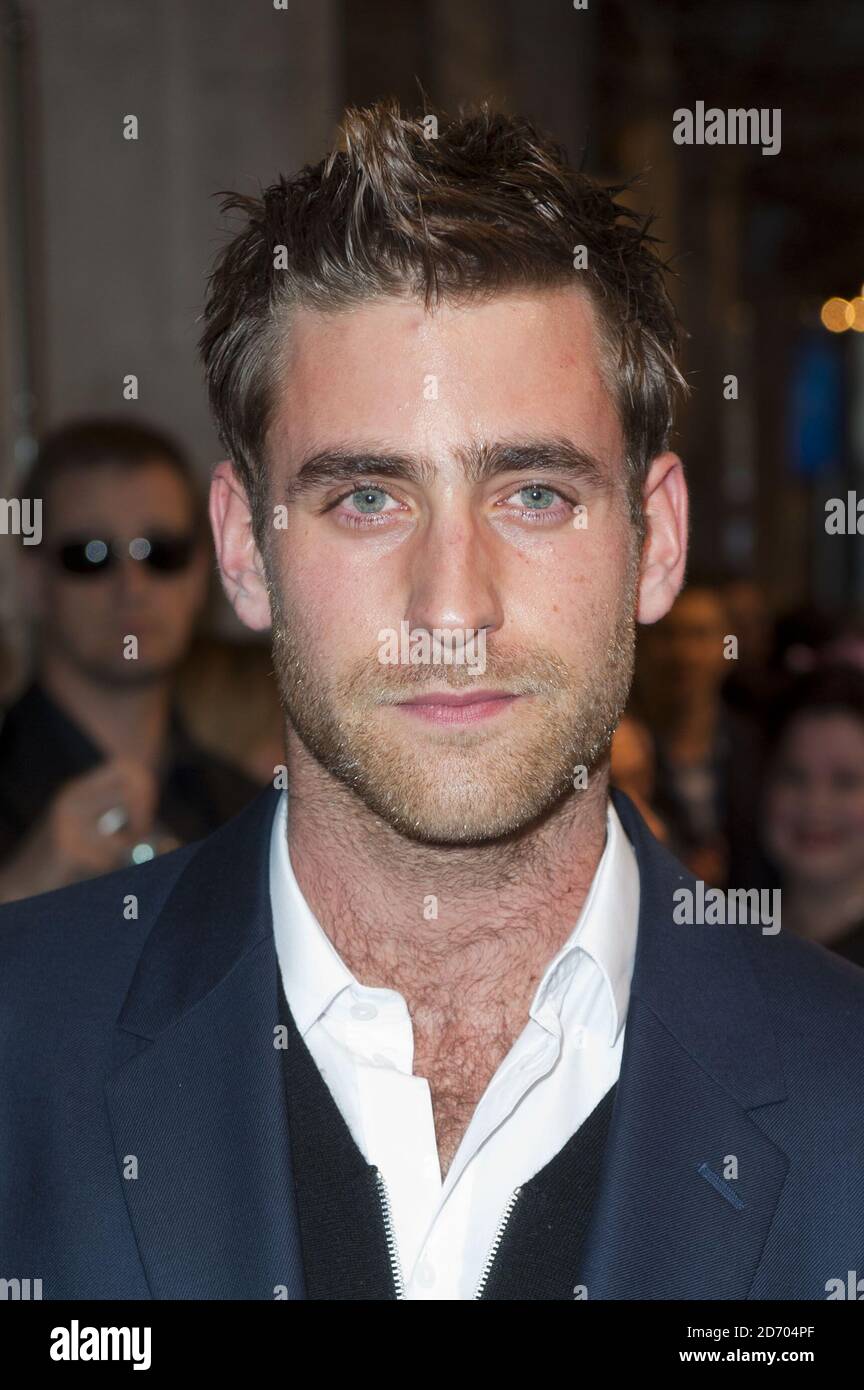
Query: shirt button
<point x="364" y="1011"/>
<point x="425" y="1275"/>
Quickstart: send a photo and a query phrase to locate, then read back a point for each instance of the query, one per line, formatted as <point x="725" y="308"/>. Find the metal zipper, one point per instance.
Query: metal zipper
<point x="493" y="1251"/>
<point x="390" y="1235"/>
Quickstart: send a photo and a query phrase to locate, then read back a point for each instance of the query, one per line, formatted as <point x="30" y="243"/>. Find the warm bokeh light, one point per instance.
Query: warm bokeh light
<point x="856" y="314"/>
<point x="836" y="315"/>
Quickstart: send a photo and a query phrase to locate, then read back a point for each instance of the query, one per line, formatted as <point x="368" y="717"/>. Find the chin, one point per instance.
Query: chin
<point x="491" y="813"/>
<point x="126" y="675"/>
<point x="827" y="870"/>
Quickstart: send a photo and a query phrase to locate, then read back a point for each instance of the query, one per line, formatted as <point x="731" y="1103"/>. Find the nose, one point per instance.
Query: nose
<point x="453" y="583"/>
<point x="820" y="799"/>
<point x="133" y="578"/>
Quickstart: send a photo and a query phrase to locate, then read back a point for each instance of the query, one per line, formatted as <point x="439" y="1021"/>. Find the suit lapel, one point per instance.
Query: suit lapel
<point x="670" y="1220"/>
<point x="660" y="1228"/>
<point x="196" y="1095"/>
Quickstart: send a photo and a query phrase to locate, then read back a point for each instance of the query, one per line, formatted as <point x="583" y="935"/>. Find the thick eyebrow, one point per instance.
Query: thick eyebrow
<point x="343" y="464"/>
<point x="480" y="463"/>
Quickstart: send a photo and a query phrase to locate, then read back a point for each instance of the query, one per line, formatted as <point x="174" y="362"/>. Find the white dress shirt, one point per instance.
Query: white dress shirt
<point x="559" y="1068"/>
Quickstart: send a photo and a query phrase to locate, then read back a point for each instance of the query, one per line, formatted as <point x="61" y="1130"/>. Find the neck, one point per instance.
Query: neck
<point x="123" y="721"/>
<point x="466" y="926"/>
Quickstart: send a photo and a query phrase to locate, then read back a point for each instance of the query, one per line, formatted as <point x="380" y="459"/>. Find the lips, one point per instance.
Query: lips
<point x="817" y="839"/>
<point x="448" y="709"/>
<point x="468" y="697"/>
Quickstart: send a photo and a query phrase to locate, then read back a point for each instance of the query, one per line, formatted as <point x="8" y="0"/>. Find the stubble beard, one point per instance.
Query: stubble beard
<point x="477" y="784"/>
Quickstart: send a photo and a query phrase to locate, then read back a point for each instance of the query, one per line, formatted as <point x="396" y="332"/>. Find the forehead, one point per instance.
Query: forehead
<point x="832" y="731"/>
<point x="114" y="495"/>
<point x="517" y="364"/>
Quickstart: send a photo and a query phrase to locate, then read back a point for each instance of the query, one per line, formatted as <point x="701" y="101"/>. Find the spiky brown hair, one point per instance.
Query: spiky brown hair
<point x="438" y="210"/>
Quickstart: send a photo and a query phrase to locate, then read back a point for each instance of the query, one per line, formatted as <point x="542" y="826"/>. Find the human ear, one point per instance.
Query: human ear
<point x="240" y="563"/>
<point x="664" y="553"/>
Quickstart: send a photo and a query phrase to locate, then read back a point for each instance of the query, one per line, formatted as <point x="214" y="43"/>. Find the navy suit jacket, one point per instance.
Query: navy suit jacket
<point x="144" y="1147"/>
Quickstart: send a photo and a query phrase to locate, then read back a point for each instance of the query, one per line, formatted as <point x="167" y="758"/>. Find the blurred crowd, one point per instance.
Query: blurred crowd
<point x="743" y="744"/>
<point x="744" y="747"/>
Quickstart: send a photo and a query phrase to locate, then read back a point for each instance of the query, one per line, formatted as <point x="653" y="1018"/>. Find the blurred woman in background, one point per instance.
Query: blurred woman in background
<point x="813" y="825"/>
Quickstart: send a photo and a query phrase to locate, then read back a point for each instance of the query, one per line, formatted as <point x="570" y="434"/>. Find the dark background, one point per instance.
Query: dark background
<point x="105" y="243"/>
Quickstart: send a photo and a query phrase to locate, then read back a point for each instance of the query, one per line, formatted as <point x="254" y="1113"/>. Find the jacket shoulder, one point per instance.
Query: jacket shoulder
<point x="815" y="997"/>
<point x="75" y="943"/>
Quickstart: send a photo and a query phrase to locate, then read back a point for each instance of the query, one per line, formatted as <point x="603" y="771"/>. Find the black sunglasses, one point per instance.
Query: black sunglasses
<point x="163" y="552"/>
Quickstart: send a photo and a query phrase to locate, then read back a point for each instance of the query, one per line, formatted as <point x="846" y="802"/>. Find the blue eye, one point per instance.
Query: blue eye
<point x="366" y="498"/>
<point x="536" y="496"/>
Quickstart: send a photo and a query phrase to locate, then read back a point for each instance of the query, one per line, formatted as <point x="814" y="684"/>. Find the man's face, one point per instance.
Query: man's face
<point x="553" y="589"/>
<point x="86" y="618"/>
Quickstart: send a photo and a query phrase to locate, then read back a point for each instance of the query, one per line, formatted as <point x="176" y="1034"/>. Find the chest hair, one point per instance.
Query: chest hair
<point x="458" y="1065"/>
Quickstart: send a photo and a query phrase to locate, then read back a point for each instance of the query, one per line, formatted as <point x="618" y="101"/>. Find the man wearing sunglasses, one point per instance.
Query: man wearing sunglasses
<point x="96" y="769"/>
